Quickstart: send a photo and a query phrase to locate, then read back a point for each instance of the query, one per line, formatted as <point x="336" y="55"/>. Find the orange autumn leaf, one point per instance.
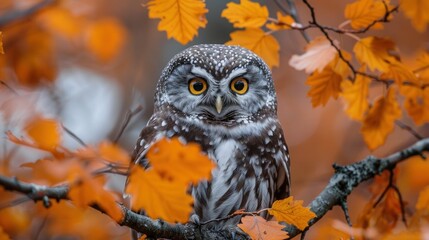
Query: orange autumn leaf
<point x="1" y="43"/>
<point x="374" y="52"/>
<point x="362" y="13"/>
<point x="159" y="198"/>
<point x="179" y="18"/>
<point x="261" y="43"/>
<point x="3" y="235"/>
<point x="105" y="38"/>
<point x="61" y="21"/>
<point x="323" y="86"/>
<point x="88" y="190"/>
<point x="422" y="204"/>
<point x="399" y="72"/>
<point x="292" y="212"/>
<point x="113" y="153"/>
<point x="414" y="173"/>
<point x="45" y="132"/>
<point x="49" y="171"/>
<point x="407" y="234"/>
<point x="284" y="22"/>
<point x="246" y="14"/>
<point x="356" y="96"/>
<point x="15" y="220"/>
<point x="417" y="11"/>
<point x="33" y="60"/>
<point x="318" y="53"/>
<point x="176" y="161"/>
<point x="260" y="229"/>
<point x="418" y="107"/>
<point x="380" y="120"/>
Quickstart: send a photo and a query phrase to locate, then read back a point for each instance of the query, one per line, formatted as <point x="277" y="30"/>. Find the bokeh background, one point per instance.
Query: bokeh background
<point x="91" y="93"/>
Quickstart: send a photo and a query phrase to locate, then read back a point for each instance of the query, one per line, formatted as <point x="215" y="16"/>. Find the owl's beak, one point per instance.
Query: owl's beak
<point x="219" y="104"/>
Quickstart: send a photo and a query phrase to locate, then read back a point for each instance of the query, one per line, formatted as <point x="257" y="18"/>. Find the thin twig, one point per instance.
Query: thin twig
<point x="294" y="13"/>
<point x="408" y="129"/>
<point x="128" y="116"/>
<point x="74" y="136"/>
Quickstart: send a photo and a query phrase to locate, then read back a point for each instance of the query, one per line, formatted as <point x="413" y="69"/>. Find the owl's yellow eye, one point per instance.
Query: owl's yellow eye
<point x="197" y="86"/>
<point x="239" y="85"/>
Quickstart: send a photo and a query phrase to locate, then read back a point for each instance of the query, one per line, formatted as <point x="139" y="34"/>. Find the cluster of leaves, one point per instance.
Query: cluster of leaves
<point x="333" y="73"/>
<point x="162" y="191"/>
<point x="33" y="46"/>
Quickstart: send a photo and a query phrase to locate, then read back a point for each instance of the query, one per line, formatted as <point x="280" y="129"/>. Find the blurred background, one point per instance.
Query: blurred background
<point x="89" y="62"/>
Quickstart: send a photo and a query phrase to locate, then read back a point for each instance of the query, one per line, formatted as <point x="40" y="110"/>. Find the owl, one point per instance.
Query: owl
<point x="223" y="98"/>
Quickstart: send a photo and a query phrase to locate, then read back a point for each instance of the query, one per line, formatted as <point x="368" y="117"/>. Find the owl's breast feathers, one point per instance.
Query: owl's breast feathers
<point x="252" y="161"/>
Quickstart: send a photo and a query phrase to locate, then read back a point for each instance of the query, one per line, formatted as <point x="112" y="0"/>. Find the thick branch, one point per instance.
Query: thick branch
<point x="345" y="179"/>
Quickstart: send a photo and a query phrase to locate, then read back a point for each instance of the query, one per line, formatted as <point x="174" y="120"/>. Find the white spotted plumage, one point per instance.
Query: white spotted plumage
<point x="245" y="138"/>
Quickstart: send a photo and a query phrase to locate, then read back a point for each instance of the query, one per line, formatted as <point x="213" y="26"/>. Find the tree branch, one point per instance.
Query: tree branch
<point x="13" y="16"/>
<point x="345" y="179"/>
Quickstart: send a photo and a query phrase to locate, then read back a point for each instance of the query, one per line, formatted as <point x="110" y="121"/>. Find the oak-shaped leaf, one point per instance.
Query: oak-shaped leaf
<point x="355" y="95"/>
<point x="362" y="13"/>
<point x="380" y="121"/>
<point x="86" y="190"/>
<point x="179" y="18"/>
<point x="261" y="43"/>
<point x="417" y="11"/>
<point x="292" y="212"/>
<point x="260" y="229"/>
<point x="176" y="161"/>
<point x="158" y="197"/>
<point x="375" y="53"/>
<point x="323" y="86"/>
<point x="246" y="14"/>
<point x="318" y="53"/>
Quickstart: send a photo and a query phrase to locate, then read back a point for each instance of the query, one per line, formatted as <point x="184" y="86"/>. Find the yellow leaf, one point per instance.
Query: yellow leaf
<point x="364" y="12"/>
<point x="292" y="212"/>
<point x="374" y="52"/>
<point x="1" y="43"/>
<point x="323" y="86"/>
<point x="15" y="220"/>
<point x="417" y="106"/>
<point x="380" y="120"/>
<point x="256" y="40"/>
<point x="284" y="22"/>
<point x="105" y="38"/>
<point x="417" y="11"/>
<point x="90" y="190"/>
<point x="260" y="229"/>
<point x="179" y="162"/>
<point x="179" y="18"/>
<point x="356" y="96"/>
<point x="399" y="72"/>
<point x="159" y="198"/>
<point x="45" y="132"/>
<point x="318" y="54"/>
<point x="247" y="14"/>
<point x="113" y="153"/>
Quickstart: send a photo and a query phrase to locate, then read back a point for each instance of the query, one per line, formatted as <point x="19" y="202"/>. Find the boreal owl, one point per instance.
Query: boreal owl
<point x="223" y="98"/>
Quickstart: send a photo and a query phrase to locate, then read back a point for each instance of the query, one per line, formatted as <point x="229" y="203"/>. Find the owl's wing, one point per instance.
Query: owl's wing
<point x="148" y="136"/>
<point x="283" y="171"/>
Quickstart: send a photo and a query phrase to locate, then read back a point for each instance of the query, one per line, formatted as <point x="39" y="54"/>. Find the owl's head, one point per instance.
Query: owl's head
<point x="216" y="83"/>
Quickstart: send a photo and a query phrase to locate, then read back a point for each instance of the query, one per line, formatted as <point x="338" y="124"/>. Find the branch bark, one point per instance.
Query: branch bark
<point x="341" y="184"/>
